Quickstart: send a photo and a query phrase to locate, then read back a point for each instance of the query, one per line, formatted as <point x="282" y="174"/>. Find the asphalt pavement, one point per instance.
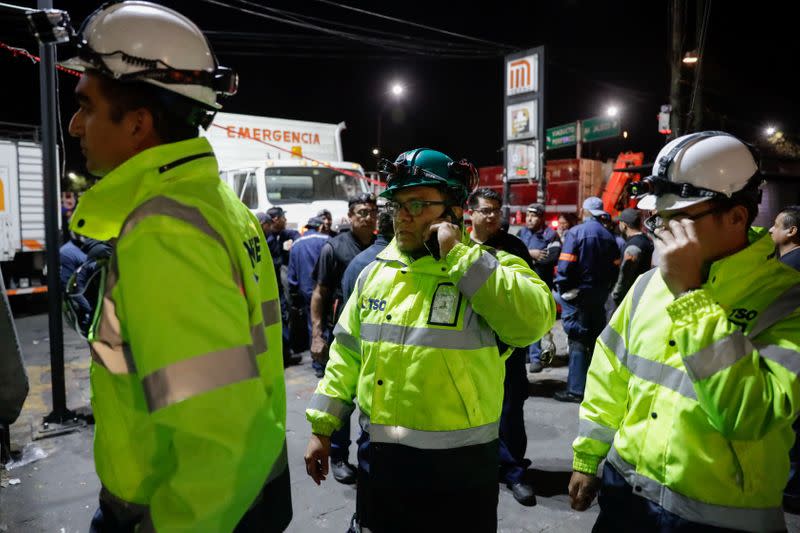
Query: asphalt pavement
<point x="57" y="492"/>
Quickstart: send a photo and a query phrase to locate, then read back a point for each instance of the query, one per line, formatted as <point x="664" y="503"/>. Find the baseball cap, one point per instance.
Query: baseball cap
<point x="276" y="212"/>
<point x="263" y="218"/>
<point x="314" y="222"/>
<point x="536" y="208"/>
<point x="594" y="205"/>
<point x="629" y="216"/>
<point x="324" y="213"/>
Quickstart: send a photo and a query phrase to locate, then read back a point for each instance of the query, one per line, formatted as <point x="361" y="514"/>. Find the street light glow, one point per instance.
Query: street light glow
<point x="398" y="89"/>
<point x="691" y="57"/>
<point x="72" y="175"/>
<point x="612" y="111"/>
<point x="770" y="130"/>
<point x="375" y="151"/>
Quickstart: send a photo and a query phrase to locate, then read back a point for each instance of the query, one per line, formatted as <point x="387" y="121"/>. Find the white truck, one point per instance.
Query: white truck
<point x="22" y="233"/>
<point x="292" y="164"/>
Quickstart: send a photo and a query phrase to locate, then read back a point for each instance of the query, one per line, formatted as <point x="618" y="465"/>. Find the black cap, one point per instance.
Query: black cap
<point x="363" y="198"/>
<point x="263" y="218"/>
<point x="314" y="222"/>
<point x="630" y="217"/>
<point x="275" y="212"/>
<point x="324" y="213"/>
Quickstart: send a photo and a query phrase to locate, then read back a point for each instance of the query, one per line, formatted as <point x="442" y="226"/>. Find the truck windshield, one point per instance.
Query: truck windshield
<point x="302" y="184"/>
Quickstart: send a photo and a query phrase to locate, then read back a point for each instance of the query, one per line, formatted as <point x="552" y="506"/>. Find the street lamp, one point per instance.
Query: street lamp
<point x="770" y="130"/>
<point x="690" y="58"/>
<point x="396" y="91"/>
<point x="612" y="111"/>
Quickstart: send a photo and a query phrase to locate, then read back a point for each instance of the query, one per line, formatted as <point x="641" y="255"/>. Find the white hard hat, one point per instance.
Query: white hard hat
<point x="695" y="168"/>
<point x="142" y="41"/>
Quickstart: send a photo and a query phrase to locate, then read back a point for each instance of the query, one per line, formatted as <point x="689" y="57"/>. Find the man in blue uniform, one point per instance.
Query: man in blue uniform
<point x="302" y="260"/>
<point x="280" y="242"/>
<point x="544" y="247"/>
<point x="587" y="267"/>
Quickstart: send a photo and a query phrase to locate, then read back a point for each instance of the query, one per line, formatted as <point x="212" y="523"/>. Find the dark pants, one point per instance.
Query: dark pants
<point x="621" y="511"/>
<point x="513" y="439"/>
<point x="402" y="489"/>
<point x="584" y="319"/>
<point x="271" y="512"/>
<point x="340" y="442"/>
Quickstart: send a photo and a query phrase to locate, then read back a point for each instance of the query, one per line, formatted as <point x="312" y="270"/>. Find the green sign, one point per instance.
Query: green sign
<point x="594" y="129"/>
<point x="560" y="136"/>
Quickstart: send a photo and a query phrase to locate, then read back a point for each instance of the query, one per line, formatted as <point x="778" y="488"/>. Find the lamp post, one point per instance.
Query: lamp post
<point x="396" y="92"/>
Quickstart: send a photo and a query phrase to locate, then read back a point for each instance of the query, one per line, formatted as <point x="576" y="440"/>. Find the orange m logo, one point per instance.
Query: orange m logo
<point x="519" y="74"/>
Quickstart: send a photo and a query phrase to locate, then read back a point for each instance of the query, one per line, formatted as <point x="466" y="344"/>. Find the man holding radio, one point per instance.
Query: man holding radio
<point x="421" y="343"/>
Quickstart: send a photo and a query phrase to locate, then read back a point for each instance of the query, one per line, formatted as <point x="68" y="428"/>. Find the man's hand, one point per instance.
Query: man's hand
<point x="582" y="490"/>
<point x="449" y="235"/>
<point x="317" y="453"/>
<point x="287" y="245"/>
<point x="319" y="349"/>
<point x="537" y="254"/>
<point x="681" y="262"/>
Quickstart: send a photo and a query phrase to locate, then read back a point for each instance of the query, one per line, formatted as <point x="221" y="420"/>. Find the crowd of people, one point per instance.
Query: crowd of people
<point x="688" y="392"/>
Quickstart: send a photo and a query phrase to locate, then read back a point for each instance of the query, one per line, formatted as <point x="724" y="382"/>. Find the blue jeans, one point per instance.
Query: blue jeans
<point x="584" y="319"/>
<point x="534" y="351"/>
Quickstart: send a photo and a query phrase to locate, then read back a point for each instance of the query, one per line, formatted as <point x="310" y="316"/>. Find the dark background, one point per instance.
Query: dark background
<point x="596" y="53"/>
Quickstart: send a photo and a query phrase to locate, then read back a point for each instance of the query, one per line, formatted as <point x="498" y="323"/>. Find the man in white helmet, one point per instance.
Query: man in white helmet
<point x="693" y="387"/>
<point x="187" y="375"/>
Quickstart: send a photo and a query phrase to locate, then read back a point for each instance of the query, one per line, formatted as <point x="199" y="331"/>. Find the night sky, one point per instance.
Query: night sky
<point x="596" y="53"/>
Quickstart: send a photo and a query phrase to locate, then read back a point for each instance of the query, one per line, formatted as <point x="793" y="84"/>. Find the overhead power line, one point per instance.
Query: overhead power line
<point x="417" y="25"/>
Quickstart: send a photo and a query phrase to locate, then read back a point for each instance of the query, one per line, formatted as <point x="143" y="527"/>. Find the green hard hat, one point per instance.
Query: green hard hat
<point x="431" y="168"/>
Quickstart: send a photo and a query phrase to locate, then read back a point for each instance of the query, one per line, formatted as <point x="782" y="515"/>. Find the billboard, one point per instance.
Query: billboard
<point x="521" y="120"/>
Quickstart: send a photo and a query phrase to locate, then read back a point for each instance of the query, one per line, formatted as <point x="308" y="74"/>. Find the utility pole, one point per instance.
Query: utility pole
<point x="697" y="91"/>
<point x="676" y="58"/>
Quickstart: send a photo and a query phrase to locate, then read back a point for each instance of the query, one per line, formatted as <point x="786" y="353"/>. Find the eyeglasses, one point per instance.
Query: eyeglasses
<point x="81" y="295"/>
<point x="657" y="222"/>
<point x="487" y="211"/>
<point x="412" y="207"/>
<point x="366" y="213"/>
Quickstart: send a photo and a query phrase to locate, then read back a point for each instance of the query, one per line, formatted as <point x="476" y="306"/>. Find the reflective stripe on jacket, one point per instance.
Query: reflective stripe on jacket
<point x="187" y="374"/>
<point x="417" y="343"/>
<point x="692" y="399"/>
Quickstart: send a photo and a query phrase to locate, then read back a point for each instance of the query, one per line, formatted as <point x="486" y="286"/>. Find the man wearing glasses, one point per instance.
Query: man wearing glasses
<point x="487" y="229"/>
<point x="693" y="386"/>
<point x="421" y="343"/>
<point x="327" y="303"/>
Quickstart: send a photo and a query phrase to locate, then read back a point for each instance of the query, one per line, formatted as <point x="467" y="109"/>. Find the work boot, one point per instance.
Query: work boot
<point x="566" y="396"/>
<point x="343" y="472"/>
<point x="523" y="493"/>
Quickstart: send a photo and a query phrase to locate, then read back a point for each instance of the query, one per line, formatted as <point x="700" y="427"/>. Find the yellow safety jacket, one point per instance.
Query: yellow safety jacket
<point x="692" y="399"/>
<point x="186" y="374"/>
<point x="417" y="343"/>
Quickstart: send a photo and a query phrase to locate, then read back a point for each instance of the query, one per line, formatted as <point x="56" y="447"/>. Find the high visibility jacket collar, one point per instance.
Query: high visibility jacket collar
<point x="759" y="250"/>
<point x="105" y="206"/>
<point x="393" y="256"/>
